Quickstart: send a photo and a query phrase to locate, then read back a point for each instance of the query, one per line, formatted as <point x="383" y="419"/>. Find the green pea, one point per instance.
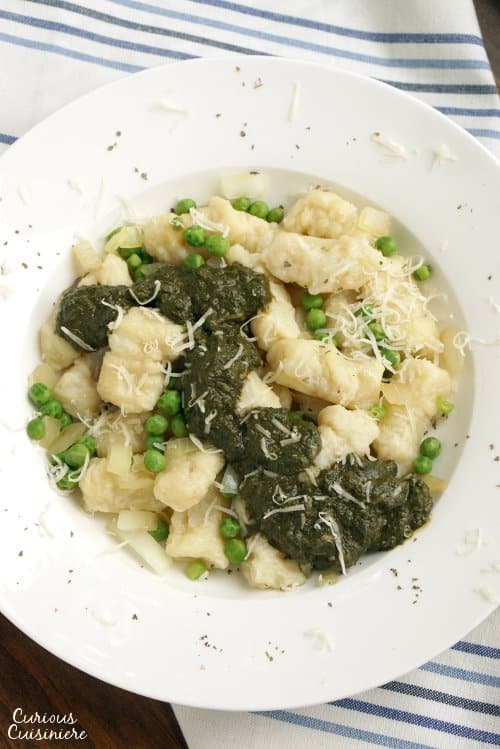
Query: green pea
<point x="217" y="245"/>
<point x="259" y="208"/>
<point x="65" y="420"/>
<point x="196" y="569"/>
<point x="156" y="424"/>
<point x="36" y="429"/>
<point x="184" y="205"/>
<point x="430" y="447"/>
<point x="195" y="236"/>
<point x="311" y="301"/>
<point x="235" y="550"/>
<point x="365" y="311"/>
<point x="276" y="215"/>
<point x="315" y="319"/>
<point x="154" y="461"/>
<point x="294" y="417"/>
<point x="241" y="204"/>
<point x="52" y="408"/>
<point x="324" y="335"/>
<point x="377" y="330"/>
<point x="39" y="394"/>
<point x="153" y="440"/>
<point x="139" y="273"/>
<point x="170" y="402"/>
<point x="161" y="531"/>
<point x="391" y="356"/>
<point x="112" y="233"/>
<point x="75" y="455"/>
<point x="386" y="245"/>
<point x="146" y="258"/>
<point x="445" y="407"/>
<point x="126" y="252"/>
<point x="422" y="465"/>
<point x="229" y="527"/>
<point x="378" y="411"/>
<point x="66" y="484"/>
<point x="423" y="273"/>
<point x="194" y="261"/>
<point x="178" y="426"/>
<point x="88" y="442"/>
<point x="134" y="262"/>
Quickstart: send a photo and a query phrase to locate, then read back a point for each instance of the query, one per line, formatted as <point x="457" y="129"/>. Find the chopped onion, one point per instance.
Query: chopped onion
<point x="129" y="237"/>
<point x="251" y="185"/>
<point x="149" y="550"/>
<point x="374" y="222"/>
<point x="68" y="437"/>
<point x="229" y="482"/>
<point x="119" y="459"/>
<point x="52" y="429"/>
<point x="136" y="520"/>
<point x="435" y="484"/>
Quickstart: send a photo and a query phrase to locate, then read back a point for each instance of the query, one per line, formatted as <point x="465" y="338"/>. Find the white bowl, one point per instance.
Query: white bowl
<point x="218" y="644"/>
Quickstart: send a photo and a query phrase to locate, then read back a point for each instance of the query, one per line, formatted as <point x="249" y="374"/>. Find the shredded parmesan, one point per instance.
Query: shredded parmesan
<point x="119" y="318"/>
<point x="200" y="219"/>
<point x="294" y="103"/>
<point x="235" y="357"/>
<point x="200" y="447"/>
<point x="442" y="153"/>
<point x="165" y="106"/>
<point x="338" y="489"/>
<point x="326" y="519"/>
<point x="208" y="421"/>
<point x="488" y="594"/>
<point x="293" y="508"/>
<point x="473" y="541"/>
<point x="291" y="440"/>
<point x="76" y="339"/>
<point x="201" y="320"/>
<point x="251" y="545"/>
<point x="321" y="640"/>
<point x="23" y="194"/>
<point x="392" y="148"/>
<point x="494" y="304"/>
<point x="76" y="185"/>
<point x="269" y="455"/>
<point x="153" y="296"/>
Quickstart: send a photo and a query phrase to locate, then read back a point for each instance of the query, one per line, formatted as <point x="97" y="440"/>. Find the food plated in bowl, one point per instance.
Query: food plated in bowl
<point x="164" y="635"/>
<point x="248" y="386"/>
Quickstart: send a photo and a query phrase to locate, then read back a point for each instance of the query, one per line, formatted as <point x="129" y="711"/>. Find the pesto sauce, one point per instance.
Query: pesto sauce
<point x="354" y="508"/>
<point x="81" y="311"/>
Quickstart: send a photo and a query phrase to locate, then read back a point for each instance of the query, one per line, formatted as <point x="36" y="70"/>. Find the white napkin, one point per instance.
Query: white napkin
<point x="53" y="51"/>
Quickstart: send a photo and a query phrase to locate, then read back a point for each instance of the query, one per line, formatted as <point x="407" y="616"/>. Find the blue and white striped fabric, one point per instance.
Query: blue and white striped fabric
<point x="55" y="50"/>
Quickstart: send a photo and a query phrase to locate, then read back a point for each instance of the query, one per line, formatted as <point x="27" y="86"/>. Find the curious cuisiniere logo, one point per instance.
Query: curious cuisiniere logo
<point x="44" y="727"/>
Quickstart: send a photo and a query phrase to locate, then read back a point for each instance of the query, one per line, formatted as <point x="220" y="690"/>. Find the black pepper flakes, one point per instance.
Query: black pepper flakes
<point x="135" y="617"/>
<point x="20" y="553"/>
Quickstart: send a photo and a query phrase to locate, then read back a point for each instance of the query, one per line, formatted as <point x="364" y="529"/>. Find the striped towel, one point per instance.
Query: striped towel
<point x="63" y="49"/>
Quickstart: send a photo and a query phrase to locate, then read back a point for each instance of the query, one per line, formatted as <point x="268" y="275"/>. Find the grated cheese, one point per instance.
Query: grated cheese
<point x="494" y="304"/>
<point x="235" y="357"/>
<point x="208" y="421"/>
<point x="157" y="285"/>
<point x="321" y="639"/>
<point x="200" y="219"/>
<point x="293" y="508"/>
<point x="251" y="545"/>
<point x="488" y="594"/>
<point x="294" y="104"/>
<point x="23" y="194"/>
<point x="291" y="440"/>
<point x="326" y="519"/>
<point x="200" y="447"/>
<point x="202" y="319"/>
<point x="473" y="540"/>
<point x="338" y="489"/>
<point x="442" y="153"/>
<point x="165" y="106"/>
<point x="120" y="312"/>
<point x="269" y="455"/>
<point x="76" y="339"/>
<point x="75" y="185"/>
<point x="392" y="148"/>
